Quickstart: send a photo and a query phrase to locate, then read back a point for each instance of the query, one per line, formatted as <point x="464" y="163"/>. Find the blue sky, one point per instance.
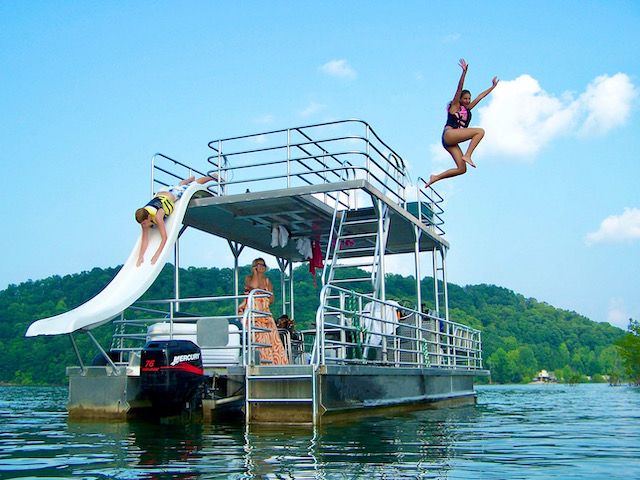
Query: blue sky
<point x="92" y="89"/>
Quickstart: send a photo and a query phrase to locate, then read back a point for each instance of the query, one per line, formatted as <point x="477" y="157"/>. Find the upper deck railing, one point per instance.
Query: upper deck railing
<point x="312" y="154"/>
<point x="316" y="154"/>
<point x="308" y="155"/>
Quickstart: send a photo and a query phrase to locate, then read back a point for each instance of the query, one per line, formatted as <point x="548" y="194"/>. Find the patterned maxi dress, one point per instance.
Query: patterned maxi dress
<point x="275" y="354"/>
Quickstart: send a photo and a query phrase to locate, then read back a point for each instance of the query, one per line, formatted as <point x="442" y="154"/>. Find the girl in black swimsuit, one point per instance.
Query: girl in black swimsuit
<point x="457" y="128"/>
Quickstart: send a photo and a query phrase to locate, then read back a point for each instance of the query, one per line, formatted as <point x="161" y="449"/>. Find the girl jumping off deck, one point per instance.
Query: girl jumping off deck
<point x="457" y="128"/>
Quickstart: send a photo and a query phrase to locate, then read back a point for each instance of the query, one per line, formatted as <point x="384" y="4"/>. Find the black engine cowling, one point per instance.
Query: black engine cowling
<point x="171" y="373"/>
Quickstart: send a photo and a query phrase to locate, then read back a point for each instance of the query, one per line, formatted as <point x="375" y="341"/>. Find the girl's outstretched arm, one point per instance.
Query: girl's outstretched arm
<point x="485" y="93"/>
<point x="456" y="98"/>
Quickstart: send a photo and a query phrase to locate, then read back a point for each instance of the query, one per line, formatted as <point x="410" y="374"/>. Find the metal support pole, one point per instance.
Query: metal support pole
<point x="153" y="168"/>
<point x="176" y="268"/>
<point x="436" y="296"/>
<point x="444" y="284"/>
<point x="368" y="164"/>
<point x="282" y="264"/>
<point x="291" y="295"/>
<point x="288" y="158"/>
<point x="104" y="354"/>
<point x="75" y="349"/>
<point x="236" y="250"/>
<point x="418" y="332"/>
<point x="417" y="233"/>
<point x="382" y="243"/>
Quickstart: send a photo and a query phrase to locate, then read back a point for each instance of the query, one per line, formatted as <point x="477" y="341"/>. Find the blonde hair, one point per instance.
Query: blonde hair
<point x="141" y="215"/>
<point x="257" y="260"/>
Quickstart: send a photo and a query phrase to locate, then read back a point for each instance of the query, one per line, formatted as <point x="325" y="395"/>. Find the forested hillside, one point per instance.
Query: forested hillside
<point x="520" y="335"/>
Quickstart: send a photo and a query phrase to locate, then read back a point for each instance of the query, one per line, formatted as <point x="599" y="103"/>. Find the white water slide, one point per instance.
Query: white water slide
<point x="127" y="286"/>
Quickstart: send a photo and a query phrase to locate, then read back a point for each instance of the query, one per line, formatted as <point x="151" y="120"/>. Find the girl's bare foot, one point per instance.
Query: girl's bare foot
<point x="467" y="159"/>
<point x="432" y="179"/>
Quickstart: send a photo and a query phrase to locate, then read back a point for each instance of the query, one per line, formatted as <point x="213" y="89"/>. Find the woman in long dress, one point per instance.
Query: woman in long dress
<point x="275" y="353"/>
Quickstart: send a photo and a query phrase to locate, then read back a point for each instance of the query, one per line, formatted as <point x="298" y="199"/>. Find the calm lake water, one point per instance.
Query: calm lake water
<point x="524" y="431"/>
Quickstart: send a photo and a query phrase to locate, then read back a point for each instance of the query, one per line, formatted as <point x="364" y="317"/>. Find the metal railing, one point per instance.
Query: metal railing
<point x="309" y="155"/>
<point x="134" y="327"/>
<point x="167" y="171"/>
<point x="352" y="328"/>
<point x="429" y="207"/>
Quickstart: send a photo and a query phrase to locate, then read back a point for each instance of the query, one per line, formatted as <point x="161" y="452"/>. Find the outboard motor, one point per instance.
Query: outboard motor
<point x="171" y="374"/>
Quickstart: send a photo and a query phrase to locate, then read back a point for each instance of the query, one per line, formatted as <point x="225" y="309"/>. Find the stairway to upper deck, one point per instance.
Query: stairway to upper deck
<point x="358" y="250"/>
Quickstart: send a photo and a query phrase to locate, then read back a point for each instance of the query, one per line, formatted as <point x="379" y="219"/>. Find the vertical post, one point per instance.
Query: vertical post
<point x="292" y="313"/>
<point x="171" y="311"/>
<point x="382" y="243"/>
<point x="417" y="233"/>
<point x="282" y="264"/>
<point x="418" y="332"/>
<point x="153" y="168"/>
<point x="368" y="154"/>
<point x="75" y="349"/>
<point x="236" y="249"/>
<point x="176" y="273"/>
<point x="288" y="158"/>
<point x="436" y="295"/>
<point x="436" y="298"/>
<point x="444" y="284"/>
<point x="221" y="188"/>
<point x="176" y="268"/>
<point x="342" y="305"/>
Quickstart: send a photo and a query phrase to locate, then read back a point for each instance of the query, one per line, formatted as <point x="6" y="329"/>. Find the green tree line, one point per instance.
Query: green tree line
<point x="520" y="335"/>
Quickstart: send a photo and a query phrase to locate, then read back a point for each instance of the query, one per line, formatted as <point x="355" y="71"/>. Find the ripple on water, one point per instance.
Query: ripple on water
<point x="525" y="431"/>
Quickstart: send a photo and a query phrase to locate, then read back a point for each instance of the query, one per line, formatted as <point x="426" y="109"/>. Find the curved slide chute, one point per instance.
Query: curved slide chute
<point x="127" y="286"/>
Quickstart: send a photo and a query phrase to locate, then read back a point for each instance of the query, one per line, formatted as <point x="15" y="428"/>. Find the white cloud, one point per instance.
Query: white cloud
<point x="451" y="38"/>
<point x="521" y="118"/>
<point x="339" y="68"/>
<point x="617" y="228"/>
<point x="607" y="102"/>
<point x="617" y="314"/>
<point x="312" y="109"/>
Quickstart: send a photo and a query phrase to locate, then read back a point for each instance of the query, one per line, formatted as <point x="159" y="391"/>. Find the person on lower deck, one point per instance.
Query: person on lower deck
<point x="457" y="129"/>
<point x="159" y="207"/>
<point x="274" y="353"/>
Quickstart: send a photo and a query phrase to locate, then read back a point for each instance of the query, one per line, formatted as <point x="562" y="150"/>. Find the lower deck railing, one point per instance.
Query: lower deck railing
<point x="351" y="329"/>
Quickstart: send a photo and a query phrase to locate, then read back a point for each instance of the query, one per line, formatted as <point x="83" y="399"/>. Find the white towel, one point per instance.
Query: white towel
<point x="283" y="236"/>
<point x="303" y="245"/>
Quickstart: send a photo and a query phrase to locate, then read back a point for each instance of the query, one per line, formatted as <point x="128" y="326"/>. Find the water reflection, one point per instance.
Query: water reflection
<point x="588" y="431"/>
<point x="415" y="445"/>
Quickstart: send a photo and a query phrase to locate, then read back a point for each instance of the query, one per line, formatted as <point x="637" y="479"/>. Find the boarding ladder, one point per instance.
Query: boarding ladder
<point x="276" y="392"/>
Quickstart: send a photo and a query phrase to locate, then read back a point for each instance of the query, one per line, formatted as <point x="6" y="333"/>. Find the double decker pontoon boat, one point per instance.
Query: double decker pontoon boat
<point x="336" y="187"/>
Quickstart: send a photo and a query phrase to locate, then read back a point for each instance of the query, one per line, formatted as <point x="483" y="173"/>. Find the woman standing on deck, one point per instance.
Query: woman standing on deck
<point x="457" y="128"/>
<point x="275" y="354"/>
